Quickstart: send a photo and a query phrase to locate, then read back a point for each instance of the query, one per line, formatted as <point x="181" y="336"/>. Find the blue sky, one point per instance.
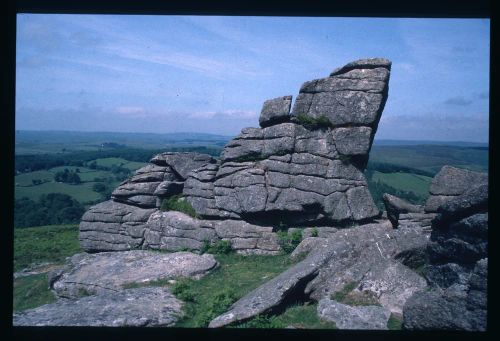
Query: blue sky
<point x="211" y="74"/>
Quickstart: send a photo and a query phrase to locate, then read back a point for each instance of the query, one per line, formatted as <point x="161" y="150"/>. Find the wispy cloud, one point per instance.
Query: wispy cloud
<point x="232" y="114"/>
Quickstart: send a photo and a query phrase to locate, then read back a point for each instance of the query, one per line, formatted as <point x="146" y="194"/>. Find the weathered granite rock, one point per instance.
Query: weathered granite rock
<point x="458" y="254"/>
<point x="141" y="307"/>
<point x="363" y="254"/>
<point x="298" y="172"/>
<point x="368" y="256"/>
<point x="353" y="94"/>
<point x="113" y="226"/>
<point x="358" y="317"/>
<point x="274" y="111"/>
<point x="175" y="231"/>
<point x="458" y="307"/>
<point x="112" y="271"/>
<point x="451" y="182"/>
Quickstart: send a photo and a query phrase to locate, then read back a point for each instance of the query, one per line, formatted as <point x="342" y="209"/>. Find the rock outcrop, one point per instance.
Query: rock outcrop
<point x="300" y="168"/>
<point x="305" y="166"/>
<point x="458" y="254"/>
<point x="140" y="307"/>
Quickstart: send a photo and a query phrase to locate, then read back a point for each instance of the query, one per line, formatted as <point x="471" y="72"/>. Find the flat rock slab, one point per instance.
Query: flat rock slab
<point x="140" y="307"/>
<point x="353" y="317"/>
<point x="111" y="271"/>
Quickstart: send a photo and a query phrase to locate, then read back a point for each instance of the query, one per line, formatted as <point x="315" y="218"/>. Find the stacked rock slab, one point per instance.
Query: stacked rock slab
<point x="302" y="167"/>
<point x="458" y="268"/>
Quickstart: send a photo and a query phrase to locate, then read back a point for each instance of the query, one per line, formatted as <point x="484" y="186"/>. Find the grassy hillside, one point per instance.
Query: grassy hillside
<point x="36" y="245"/>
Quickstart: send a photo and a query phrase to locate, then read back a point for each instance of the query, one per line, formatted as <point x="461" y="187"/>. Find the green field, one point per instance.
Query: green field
<point x="418" y="184"/>
<point x="432" y="157"/>
<point x="111" y="161"/>
<point x="82" y="192"/>
<point x="25" y="179"/>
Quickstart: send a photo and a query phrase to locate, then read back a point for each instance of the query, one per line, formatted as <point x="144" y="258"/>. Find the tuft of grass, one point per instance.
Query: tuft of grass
<point x="339" y="296"/>
<point x="314" y="232"/>
<point x="289" y="242"/>
<point x="301" y="316"/>
<point x="394" y="323"/>
<point x="31" y="292"/>
<point x="353" y="297"/>
<point x="44" y="244"/>
<point x="180" y="204"/>
<point x="312" y="122"/>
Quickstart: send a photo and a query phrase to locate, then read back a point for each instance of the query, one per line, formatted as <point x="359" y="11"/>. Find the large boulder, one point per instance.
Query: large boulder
<point x="348" y="317"/>
<point x="112" y="271"/>
<point x="451" y="182"/>
<point x="140" y="307"/>
<point x="276" y="110"/>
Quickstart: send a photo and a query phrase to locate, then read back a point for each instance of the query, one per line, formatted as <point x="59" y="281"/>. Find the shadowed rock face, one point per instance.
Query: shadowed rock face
<point x="458" y="254"/>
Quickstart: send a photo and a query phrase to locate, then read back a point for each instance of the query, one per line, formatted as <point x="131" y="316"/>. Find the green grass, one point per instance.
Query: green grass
<point x="52" y="244"/>
<point x="31" y="292"/>
<point x="180" y="204"/>
<point x="81" y="192"/>
<point x="26" y="178"/>
<point x="394" y="323"/>
<point x="300" y="316"/>
<point x="110" y="161"/>
<point x="418" y="184"/>
<point x="236" y="276"/>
